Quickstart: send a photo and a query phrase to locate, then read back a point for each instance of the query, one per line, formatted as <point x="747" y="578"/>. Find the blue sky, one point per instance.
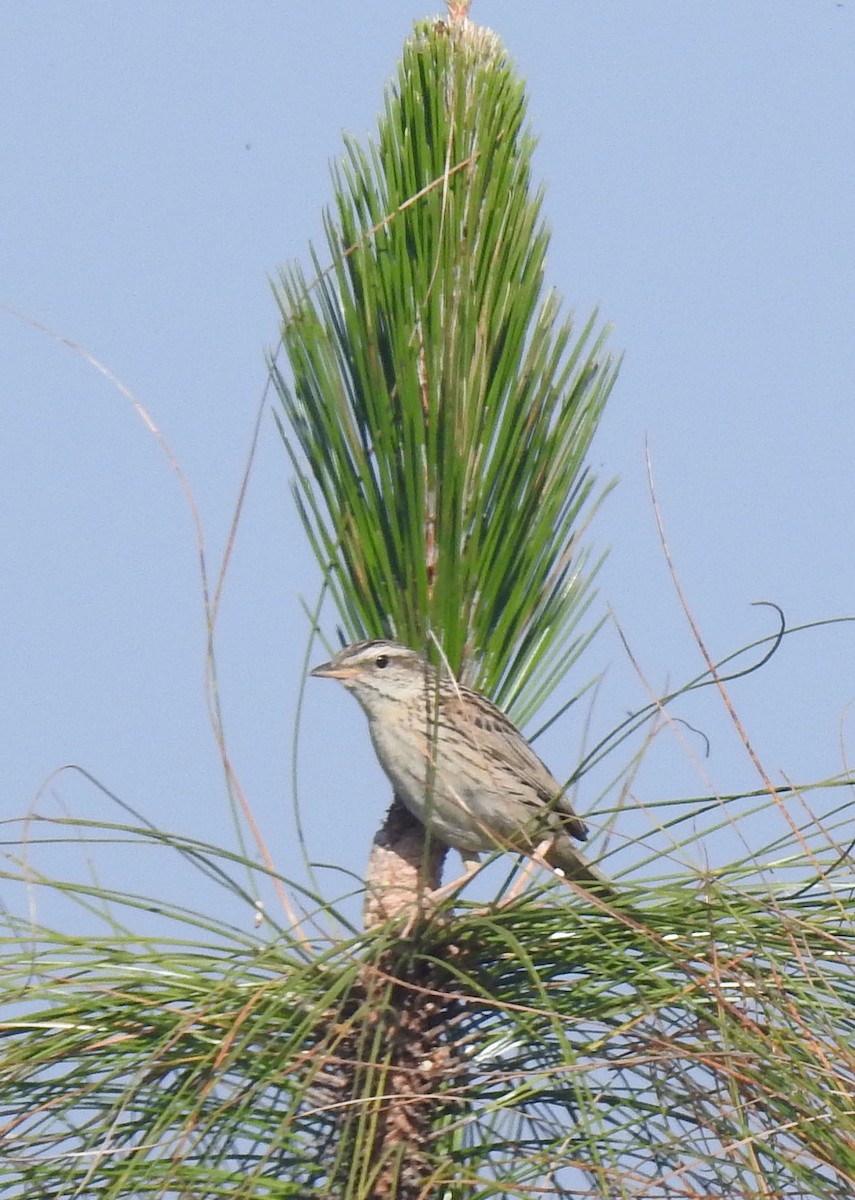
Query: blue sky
<point x="160" y="161"/>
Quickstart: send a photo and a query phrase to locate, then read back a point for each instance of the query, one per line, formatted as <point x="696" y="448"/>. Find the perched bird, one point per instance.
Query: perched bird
<point x="457" y="762"/>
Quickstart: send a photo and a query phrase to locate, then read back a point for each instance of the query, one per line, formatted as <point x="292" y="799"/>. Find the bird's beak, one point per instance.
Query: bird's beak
<point x="329" y="670"/>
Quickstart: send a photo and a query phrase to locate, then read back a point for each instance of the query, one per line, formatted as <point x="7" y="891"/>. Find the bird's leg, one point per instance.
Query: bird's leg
<point x="537" y="858"/>
<point x="540" y="855"/>
<point x="471" y="863"/>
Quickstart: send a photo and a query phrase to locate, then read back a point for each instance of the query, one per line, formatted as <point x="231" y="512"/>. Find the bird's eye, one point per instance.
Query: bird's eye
<point x="381" y="661"/>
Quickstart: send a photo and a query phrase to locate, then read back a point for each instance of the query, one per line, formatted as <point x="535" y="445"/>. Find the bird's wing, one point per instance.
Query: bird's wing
<point x="513" y="753"/>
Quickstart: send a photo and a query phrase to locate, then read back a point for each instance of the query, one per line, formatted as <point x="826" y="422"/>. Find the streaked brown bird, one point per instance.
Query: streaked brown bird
<point x="457" y="762"/>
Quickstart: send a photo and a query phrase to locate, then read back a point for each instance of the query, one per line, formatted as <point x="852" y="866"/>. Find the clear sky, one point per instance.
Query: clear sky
<point x="160" y="160"/>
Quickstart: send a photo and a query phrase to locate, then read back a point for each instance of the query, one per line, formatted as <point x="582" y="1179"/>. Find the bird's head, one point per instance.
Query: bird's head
<point x="378" y="672"/>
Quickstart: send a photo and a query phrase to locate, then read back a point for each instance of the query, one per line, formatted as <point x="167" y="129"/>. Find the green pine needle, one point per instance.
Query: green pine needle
<point x="440" y="408"/>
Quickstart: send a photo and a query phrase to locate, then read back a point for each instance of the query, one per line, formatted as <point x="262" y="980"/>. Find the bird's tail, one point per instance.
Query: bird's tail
<point x="563" y="856"/>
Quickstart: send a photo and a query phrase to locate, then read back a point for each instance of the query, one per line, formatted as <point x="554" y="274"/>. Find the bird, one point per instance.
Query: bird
<point x="458" y="763"/>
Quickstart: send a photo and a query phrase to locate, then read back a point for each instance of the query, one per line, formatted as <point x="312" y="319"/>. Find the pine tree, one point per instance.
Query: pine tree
<point x="438" y="410"/>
